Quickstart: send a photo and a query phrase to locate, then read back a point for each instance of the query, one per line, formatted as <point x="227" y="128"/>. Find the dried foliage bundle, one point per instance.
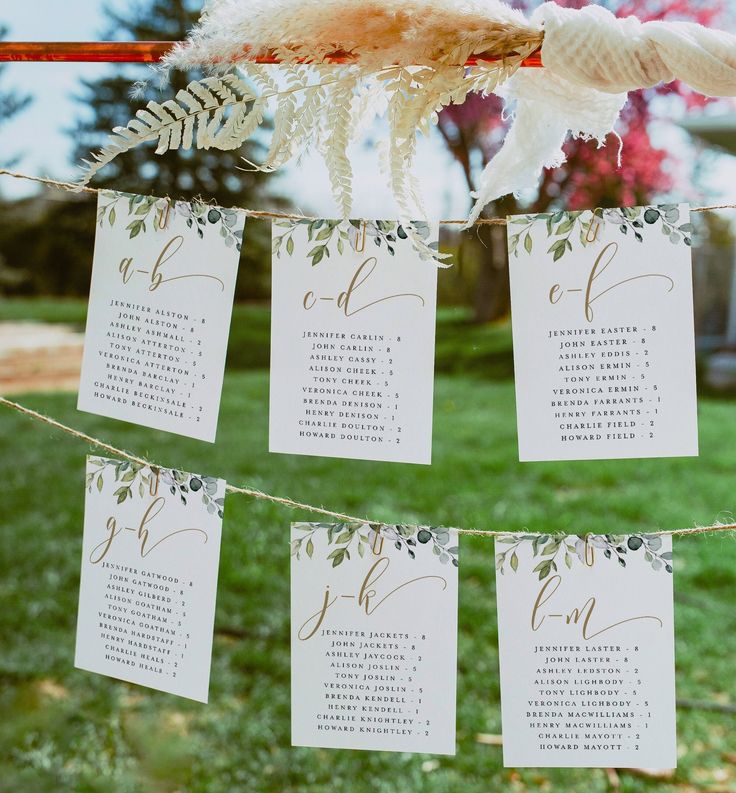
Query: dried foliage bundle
<point x="405" y="61"/>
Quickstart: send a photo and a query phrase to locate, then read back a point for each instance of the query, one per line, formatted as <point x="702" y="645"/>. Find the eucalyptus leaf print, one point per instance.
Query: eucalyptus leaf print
<point x="555" y="552"/>
<point x="148" y="212"/>
<point x="564" y="229"/>
<point x="358" y="539"/>
<point x="330" y="237"/>
<point x="135" y="480"/>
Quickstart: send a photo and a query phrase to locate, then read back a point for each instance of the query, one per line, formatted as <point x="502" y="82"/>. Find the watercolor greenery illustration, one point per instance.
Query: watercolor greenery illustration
<point x="136" y="479"/>
<point x="552" y="549"/>
<point x="358" y="538"/>
<point x="566" y="228"/>
<point x="140" y="210"/>
<point x="347" y="234"/>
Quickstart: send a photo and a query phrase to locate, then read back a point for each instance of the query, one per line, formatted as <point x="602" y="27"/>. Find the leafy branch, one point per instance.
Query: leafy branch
<point x="138" y="479"/>
<point x="563" y="548"/>
<point x="359" y="537"/>
<point x="561" y="225"/>
<point x="198" y="215"/>
<point x="322" y="107"/>
<point x="347" y="233"/>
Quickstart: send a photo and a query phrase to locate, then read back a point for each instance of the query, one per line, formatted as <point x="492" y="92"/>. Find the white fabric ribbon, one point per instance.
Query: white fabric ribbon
<point x="591" y="60"/>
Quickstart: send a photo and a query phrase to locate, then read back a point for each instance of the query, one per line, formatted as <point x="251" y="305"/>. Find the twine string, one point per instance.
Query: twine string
<point x="259" y="494"/>
<point x="134" y="458"/>
<point x="258" y="213"/>
<point x="290" y="502"/>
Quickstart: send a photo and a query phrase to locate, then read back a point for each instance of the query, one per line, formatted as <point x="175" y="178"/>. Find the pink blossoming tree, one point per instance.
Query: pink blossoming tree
<point x="475" y="130"/>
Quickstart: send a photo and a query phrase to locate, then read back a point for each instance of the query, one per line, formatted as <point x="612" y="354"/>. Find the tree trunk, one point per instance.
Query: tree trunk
<point x="492" y="297"/>
<point x="486" y="244"/>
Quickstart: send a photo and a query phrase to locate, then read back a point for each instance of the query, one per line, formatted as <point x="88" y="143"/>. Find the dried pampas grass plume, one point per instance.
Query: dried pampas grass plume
<point x="377" y="33"/>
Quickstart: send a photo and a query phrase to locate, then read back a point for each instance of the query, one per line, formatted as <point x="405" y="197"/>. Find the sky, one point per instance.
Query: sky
<point x="38" y="134"/>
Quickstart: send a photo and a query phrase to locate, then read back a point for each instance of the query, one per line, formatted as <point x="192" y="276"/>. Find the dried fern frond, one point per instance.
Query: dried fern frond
<point x="218" y="109"/>
<point x="338" y="122"/>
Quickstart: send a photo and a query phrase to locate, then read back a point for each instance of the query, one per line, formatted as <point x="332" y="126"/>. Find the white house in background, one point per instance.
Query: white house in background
<point x="720" y="370"/>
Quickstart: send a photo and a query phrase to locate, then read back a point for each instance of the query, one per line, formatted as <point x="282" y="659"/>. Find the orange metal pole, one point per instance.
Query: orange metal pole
<point x="85" y="51"/>
<point x="143" y="52"/>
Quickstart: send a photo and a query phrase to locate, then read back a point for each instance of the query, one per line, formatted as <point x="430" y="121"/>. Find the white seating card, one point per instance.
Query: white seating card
<point x="586" y="650"/>
<point x="151" y="551"/>
<point x="602" y="311"/>
<point x="160" y="301"/>
<point x="373" y="637"/>
<point x="352" y="340"/>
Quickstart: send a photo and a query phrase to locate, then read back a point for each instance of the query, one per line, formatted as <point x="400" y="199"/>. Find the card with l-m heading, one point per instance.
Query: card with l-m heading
<point x="586" y="650"/>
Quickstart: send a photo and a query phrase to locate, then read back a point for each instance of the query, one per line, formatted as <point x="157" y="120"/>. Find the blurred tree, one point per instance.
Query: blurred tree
<point x="107" y="103"/>
<point x="47" y="241"/>
<point x="55" y="239"/>
<point x="212" y="174"/>
<point x="475" y="130"/>
<point x="11" y="103"/>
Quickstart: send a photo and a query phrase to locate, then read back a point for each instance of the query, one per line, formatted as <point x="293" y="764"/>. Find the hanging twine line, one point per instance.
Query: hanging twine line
<point x="259" y="494"/>
<point x="257" y="213"/>
<point x="290" y="502"/>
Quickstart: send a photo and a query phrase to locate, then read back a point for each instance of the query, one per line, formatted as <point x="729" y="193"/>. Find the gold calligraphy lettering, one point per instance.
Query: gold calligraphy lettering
<point x="360" y="276"/>
<point x="124" y="268"/>
<point x="550" y="586"/>
<point x="157" y="279"/>
<point x="601" y="264"/>
<point x="379" y="568"/>
<point x="318" y="615"/>
<point x="100" y="550"/>
<point x="596" y="272"/>
<point x="106" y="543"/>
<point x="366" y="595"/>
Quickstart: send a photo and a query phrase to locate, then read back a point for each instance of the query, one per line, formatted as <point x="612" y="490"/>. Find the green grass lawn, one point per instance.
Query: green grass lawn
<point x="66" y="730"/>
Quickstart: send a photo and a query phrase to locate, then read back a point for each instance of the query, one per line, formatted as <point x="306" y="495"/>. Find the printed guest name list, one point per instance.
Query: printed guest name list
<point x="161" y="296"/>
<point x="149" y="575"/>
<point x="373" y="637"/>
<point x="352" y="341"/>
<point x="586" y="650"/>
<point x="603" y="334"/>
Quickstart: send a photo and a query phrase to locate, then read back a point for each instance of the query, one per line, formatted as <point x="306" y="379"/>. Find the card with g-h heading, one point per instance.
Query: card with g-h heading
<point x="151" y="550"/>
